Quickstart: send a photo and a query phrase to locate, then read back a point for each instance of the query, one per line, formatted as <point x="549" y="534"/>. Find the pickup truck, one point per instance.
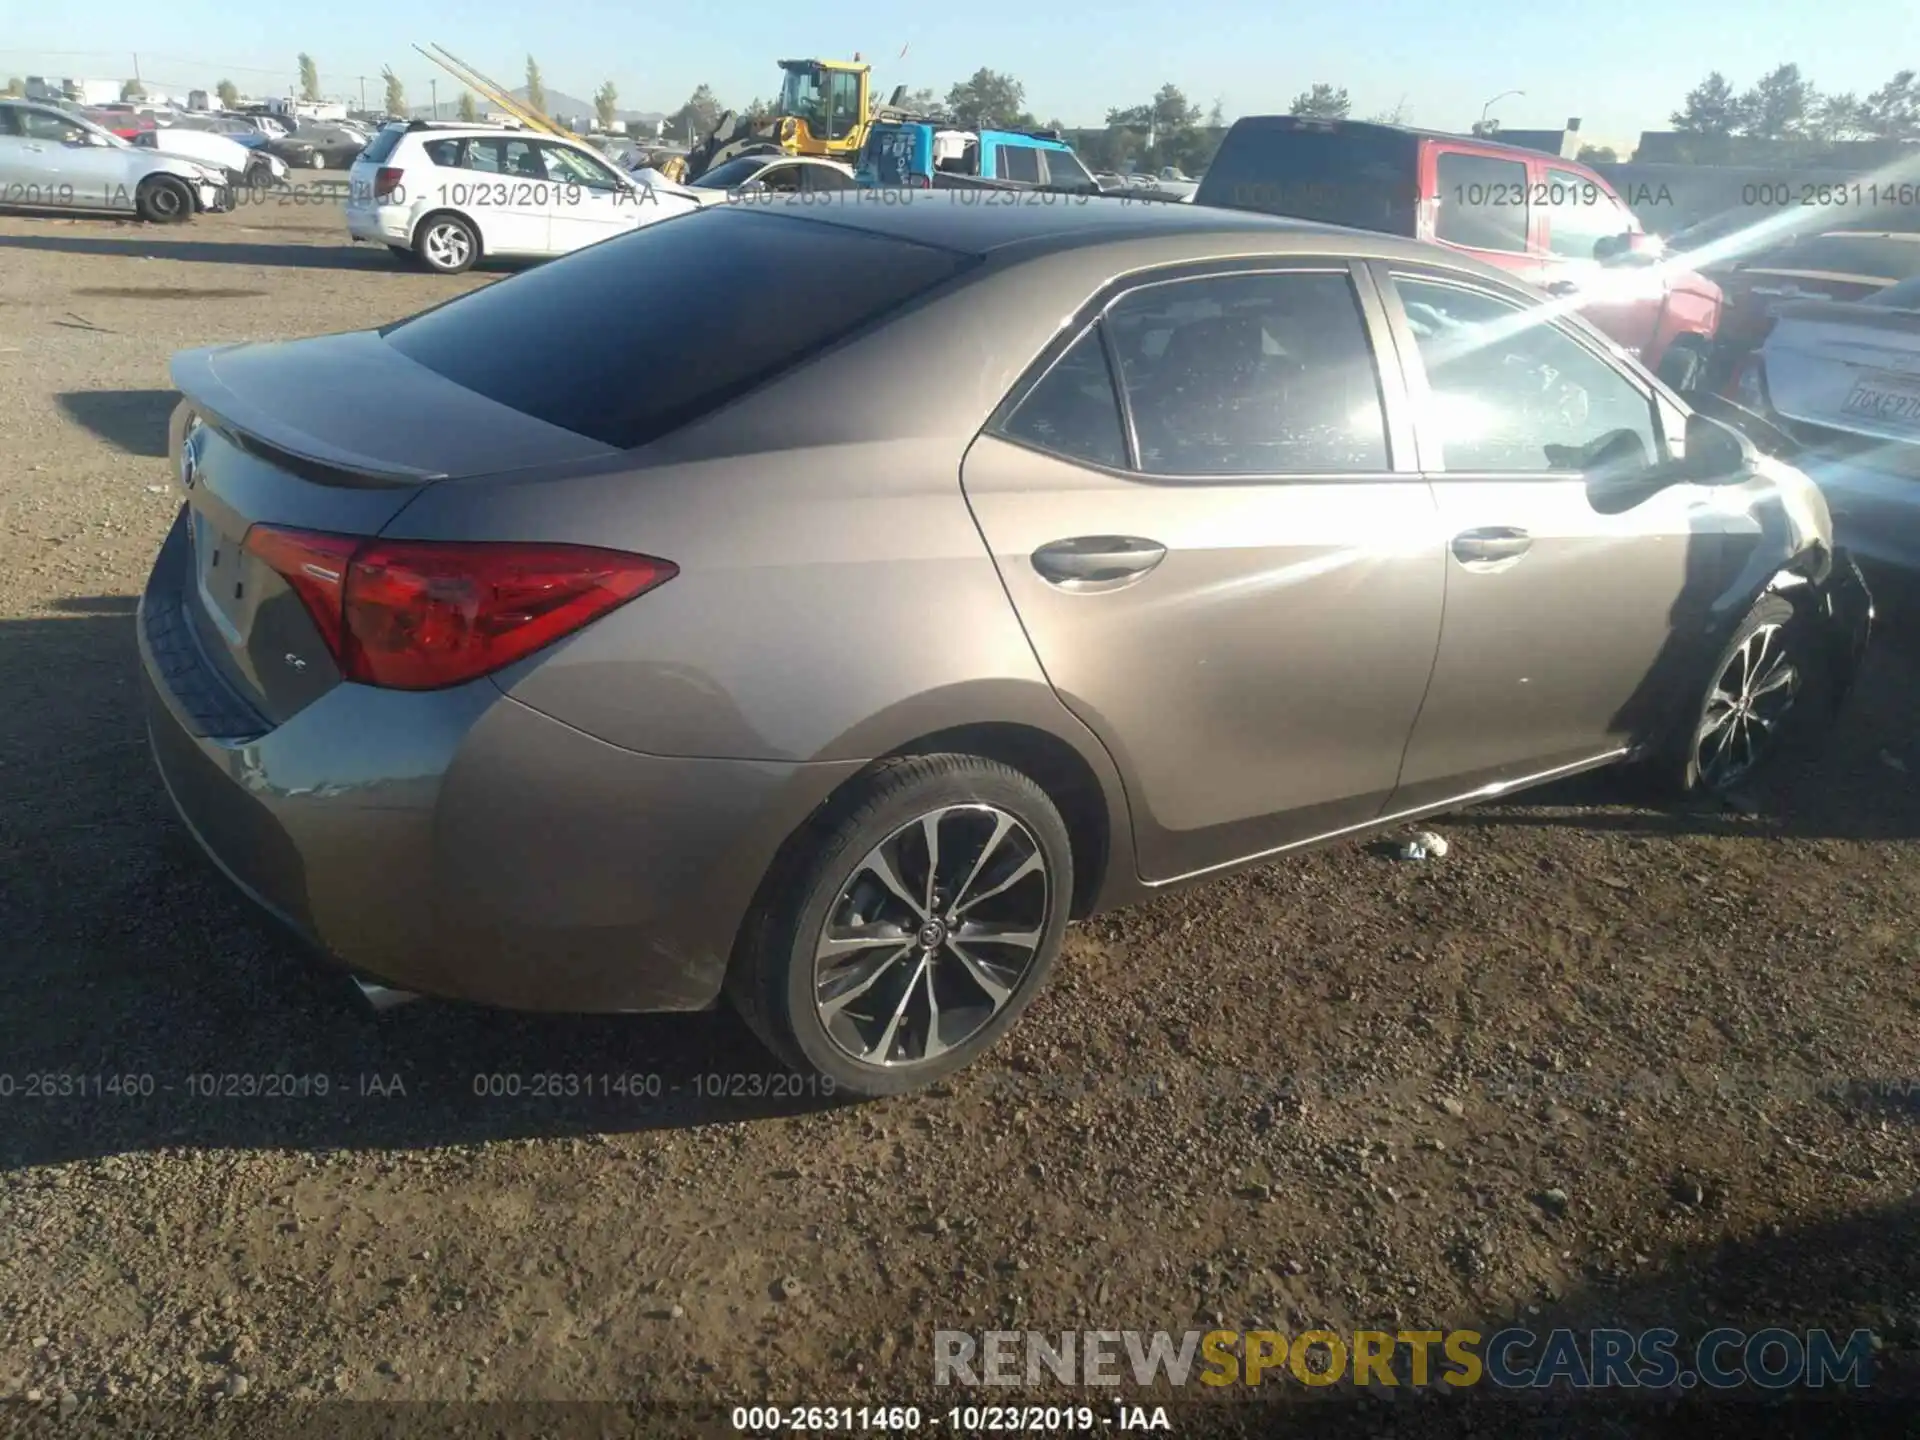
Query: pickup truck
<point x="932" y="155"/>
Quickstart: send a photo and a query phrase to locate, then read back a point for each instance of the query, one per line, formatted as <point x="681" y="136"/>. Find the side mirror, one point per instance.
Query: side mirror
<point x="1610" y="248"/>
<point x="1715" y="451"/>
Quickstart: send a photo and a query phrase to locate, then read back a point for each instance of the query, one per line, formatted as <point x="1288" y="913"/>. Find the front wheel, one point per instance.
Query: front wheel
<point x="164" y="200"/>
<point x="447" y="244"/>
<point x="909" y="926"/>
<point x="1755" y="694"/>
<point x="317" y="162"/>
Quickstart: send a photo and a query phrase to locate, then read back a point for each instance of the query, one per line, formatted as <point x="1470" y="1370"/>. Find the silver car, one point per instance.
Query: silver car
<point x="52" y="159"/>
<point x="1843" y="378"/>
<point x="819" y="603"/>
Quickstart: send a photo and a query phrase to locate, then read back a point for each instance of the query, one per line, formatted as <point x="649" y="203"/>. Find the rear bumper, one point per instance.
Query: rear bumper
<point x="381" y="225"/>
<point x="459" y="844"/>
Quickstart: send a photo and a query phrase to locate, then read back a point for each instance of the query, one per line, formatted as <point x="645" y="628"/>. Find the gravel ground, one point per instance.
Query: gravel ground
<point x="1600" y="1063"/>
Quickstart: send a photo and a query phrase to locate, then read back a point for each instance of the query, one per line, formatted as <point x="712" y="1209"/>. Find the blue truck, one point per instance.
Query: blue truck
<point x="930" y="154"/>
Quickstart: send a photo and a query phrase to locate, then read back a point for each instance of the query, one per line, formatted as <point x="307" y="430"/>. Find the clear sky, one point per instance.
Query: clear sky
<point x="1621" y="66"/>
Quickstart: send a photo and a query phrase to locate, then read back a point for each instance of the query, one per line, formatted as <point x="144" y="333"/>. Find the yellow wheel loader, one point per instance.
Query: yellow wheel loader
<point x="824" y="109"/>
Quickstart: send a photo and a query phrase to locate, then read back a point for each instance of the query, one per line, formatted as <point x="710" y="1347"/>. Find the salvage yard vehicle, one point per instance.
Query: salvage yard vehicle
<point x="239" y="163"/>
<point x="1554" y="223"/>
<point x="452" y="194"/>
<point x="1842" y="377"/>
<point x="932" y="154"/>
<point x="824" y="110"/>
<point x="756" y="175"/>
<point x="321" y="145"/>
<point x="51" y="158"/>
<point x="568" y="645"/>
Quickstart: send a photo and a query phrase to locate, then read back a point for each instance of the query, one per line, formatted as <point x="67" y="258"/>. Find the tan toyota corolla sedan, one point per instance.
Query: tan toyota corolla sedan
<point x="821" y="604"/>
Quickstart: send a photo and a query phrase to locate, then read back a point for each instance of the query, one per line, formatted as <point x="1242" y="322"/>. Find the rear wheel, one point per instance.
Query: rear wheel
<point x="164" y="200"/>
<point x="318" y="161"/>
<point x="259" y="176"/>
<point x="447" y="244"/>
<point x="909" y="926"/>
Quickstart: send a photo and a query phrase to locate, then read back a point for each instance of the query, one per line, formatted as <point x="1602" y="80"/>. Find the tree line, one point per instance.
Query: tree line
<point x="1170" y="130"/>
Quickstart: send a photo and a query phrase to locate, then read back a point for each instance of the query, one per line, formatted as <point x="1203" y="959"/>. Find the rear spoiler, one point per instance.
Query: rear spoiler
<point x="256" y="430"/>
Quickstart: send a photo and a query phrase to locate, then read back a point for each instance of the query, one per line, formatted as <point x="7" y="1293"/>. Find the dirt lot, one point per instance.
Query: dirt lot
<point x="1599" y="1063"/>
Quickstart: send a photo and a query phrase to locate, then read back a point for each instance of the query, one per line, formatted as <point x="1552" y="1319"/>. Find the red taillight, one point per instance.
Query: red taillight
<point x="422" y="615"/>
<point x="386" y="181"/>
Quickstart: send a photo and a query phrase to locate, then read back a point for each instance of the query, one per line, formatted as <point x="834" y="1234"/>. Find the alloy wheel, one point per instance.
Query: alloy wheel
<point x="448" y="246"/>
<point x="1746" y="707"/>
<point x="932" y="935"/>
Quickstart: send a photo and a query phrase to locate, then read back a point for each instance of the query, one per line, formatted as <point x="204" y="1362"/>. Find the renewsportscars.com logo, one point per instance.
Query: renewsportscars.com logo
<point x="1517" y="1359"/>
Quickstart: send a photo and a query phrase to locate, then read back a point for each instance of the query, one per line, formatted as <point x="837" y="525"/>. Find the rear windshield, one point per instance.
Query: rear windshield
<point x="630" y="338"/>
<point x="1348" y="175"/>
<point x="382" y="144"/>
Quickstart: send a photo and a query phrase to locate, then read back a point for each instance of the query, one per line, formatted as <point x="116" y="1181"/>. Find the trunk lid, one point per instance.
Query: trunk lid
<point x="336" y="434"/>
<point x="1846" y="377"/>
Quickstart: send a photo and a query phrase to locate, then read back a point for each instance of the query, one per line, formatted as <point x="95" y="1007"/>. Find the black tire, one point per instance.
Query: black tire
<point x="1683" y="367"/>
<point x="1692" y="763"/>
<point x="446" y="244"/>
<point x="316" y="161"/>
<point x="823" y="879"/>
<point x="164" y="200"/>
<point x="259" y="177"/>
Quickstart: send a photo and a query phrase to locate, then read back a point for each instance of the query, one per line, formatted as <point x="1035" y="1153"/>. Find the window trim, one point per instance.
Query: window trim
<point x="1573" y="327"/>
<point x="1396" y="402"/>
<point x="1527" y="228"/>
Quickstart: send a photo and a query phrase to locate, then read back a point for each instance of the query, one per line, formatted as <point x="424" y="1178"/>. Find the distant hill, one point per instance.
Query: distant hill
<point x="560" y="105"/>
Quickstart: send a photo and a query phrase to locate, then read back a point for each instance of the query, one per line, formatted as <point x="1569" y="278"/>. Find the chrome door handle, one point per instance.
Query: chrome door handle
<point x="1097" y="562"/>
<point x="1491" y="543"/>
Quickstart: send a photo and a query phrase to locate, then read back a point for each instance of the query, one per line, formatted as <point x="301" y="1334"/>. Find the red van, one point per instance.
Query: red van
<point x="1552" y="222"/>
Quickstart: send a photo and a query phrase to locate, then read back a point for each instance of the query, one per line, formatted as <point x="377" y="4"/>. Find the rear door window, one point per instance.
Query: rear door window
<point x="444" y="153"/>
<point x="1483" y="201"/>
<point x="595" y="344"/>
<point x="1251" y="374"/>
<point x="1074" y="412"/>
<point x="520" y="158"/>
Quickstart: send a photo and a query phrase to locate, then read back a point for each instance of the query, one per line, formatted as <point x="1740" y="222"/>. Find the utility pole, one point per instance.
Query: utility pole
<point x="363" y="94"/>
<point x="434" y="85"/>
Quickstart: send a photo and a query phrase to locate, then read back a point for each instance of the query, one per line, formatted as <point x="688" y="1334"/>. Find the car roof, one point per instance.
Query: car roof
<point x="959" y="220"/>
<point x="1489" y="142"/>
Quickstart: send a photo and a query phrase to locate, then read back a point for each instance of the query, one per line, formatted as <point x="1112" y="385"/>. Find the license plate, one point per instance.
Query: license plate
<point x="218" y="563"/>
<point x="1884" y="400"/>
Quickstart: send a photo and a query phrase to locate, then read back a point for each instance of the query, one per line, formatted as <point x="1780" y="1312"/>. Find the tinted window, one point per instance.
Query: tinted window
<point x="1904" y="296"/>
<point x="1073" y="411"/>
<point x="9" y="119"/>
<point x="1358" y="175"/>
<point x="383" y="143"/>
<point x="1483" y="202"/>
<point x="780" y="179"/>
<point x="594" y="343"/>
<point x="445" y="153"/>
<point x="1250" y="375"/>
<point x="1017" y="162"/>
<point x="1880" y="256"/>
<point x="1580" y="214"/>
<point x="1513" y="393"/>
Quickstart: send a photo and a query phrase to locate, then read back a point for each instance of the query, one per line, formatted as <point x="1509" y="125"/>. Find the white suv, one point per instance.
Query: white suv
<point x="451" y="194"/>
